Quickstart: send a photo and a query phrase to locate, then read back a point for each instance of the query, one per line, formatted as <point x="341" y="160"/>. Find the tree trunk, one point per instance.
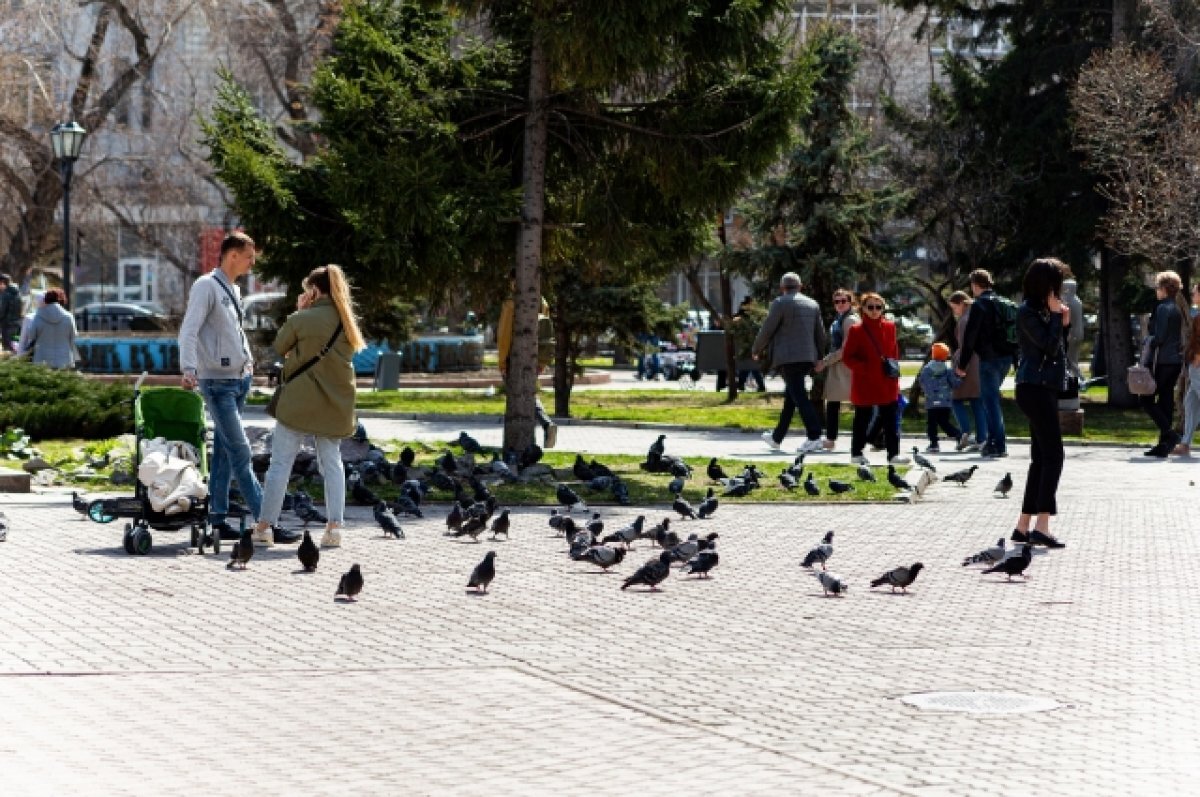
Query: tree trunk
<point x="1114" y="328"/>
<point x="730" y="354"/>
<point x="519" y="419"/>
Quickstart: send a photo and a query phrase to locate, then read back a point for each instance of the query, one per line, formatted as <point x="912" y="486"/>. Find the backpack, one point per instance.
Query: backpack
<point x="546" y="343"/>
<point x="1004" y="326"/>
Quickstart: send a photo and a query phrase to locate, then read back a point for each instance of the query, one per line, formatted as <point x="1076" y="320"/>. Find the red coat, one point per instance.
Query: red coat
<point x="868" y="386"/>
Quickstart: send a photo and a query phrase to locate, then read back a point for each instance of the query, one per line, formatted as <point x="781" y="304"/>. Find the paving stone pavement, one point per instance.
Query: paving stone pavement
<point x="170" y="674"/>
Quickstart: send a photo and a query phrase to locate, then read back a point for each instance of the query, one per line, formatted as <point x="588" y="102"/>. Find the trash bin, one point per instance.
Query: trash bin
<point x="387" y="371"/>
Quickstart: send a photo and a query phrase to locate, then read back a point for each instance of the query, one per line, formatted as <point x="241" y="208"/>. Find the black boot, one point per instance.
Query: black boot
<point x="1046" y="540"/>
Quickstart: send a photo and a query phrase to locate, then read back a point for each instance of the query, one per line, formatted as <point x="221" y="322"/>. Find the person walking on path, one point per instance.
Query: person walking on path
<point x="214" y="356"/>
<point x="1041" y="372"/>
<point x="968" y="409"/>
<point x="837" y="373"/>
<point x="10" y="313"/>
<point x="51" y="335"/>
<point x="794" y="336"/>
<point x="937" y="380"/>
<point x="869" y="345"/>
<point x="980" y="340"/>
<point x="317" y="399"/>
<point x="1191" y="398"/>
<point x="1163" y="350"/>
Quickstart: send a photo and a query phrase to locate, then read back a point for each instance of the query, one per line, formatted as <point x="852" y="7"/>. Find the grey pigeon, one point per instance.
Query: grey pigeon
<point x="595" y="525"/>
<point x="405" y="505"/>
<point x="556" y="520"/>
<point x="787" y="481"/>
<point x="865" y="474"/>
<point x="484" y="573"/>
<point x="922" y="461"/>
<point x="1014" y="565"/>
<point x="80" y="505"/>
<point x="599" y="484"/>
<point x="454" y="519"/>
<point x="961" y="476"/>
<point x="686" y="549"/>
<point x="832" y="584"/>
<point x="350" y="584"/>
<point x="839" y="487"/>
<point x="652" y="573"/>
<point x="580" y="543"/>
<point x="469" y="444"/>
<point x="302" y="506"/>
<point x="897" y="481"/>
<point x="684" y="509"/>
<point x="500" y="467"/>
<point x="500" y="524"/>
<point x="603" y="556"/>
<point x="242" y="551"/>
<point x="676" y="485"/>
<point x="657" y="448"/>
<point x="387" y="521"/>
<point x="583" y="472"/>
<point x="3" y="527"/>
<point x="738" y="488"/>
<point x="1004" y="486"/>
<point x="708" y="506"/>
<point x="702" y="563"/>
<point x="709" y="541"/>
<point x="569" y="498"/>
<point x="472" y="527"/>
<point x="820" y="554"/>
<point x="308" y="553"/>
<point x="715" y="471"/>
<point x="901" y="577"/>
<point x="810" y="485"/>
<point x="627" y="534"/>
<point x="988" y="555"/>
<point x="796" y="469"/>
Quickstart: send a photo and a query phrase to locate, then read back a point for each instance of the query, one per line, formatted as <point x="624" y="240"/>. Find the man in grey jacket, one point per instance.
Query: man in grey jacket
<point x="794" y="334"/>
<point x="214" y="355"/>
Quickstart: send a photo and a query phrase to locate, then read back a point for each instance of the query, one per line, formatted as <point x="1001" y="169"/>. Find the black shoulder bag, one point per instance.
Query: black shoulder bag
<point x="273" y="404"/>
<point x="891" y="366"/>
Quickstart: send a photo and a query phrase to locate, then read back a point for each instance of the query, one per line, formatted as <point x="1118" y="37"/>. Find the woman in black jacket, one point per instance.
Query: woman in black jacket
<point x="1041" y="372"/>
<point x="1164" y="353"/>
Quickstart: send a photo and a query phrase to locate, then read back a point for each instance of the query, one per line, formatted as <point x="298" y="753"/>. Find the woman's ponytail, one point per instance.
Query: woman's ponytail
<point x="332" y="281"/>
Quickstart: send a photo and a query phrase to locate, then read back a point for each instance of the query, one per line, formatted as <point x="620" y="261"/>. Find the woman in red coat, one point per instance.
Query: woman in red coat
<point x="867" y="344"/>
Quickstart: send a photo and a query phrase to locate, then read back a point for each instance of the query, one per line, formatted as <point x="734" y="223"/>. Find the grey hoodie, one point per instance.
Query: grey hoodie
<point x="212" y="343"/>
<point x="52" y="337"/>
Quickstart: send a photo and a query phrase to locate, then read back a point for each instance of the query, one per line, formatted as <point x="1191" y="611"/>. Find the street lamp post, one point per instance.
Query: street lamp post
<point x="67" y="140"/>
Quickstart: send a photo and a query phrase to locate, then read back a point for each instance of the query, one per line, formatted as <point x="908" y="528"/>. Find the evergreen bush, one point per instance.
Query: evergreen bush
<point x="61" y="404"/>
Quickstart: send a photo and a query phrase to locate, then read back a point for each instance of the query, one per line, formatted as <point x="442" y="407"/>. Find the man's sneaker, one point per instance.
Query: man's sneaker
<point x="987" y="452"/>
<point x="828" y="444"/>
<point x="860" y="460"/>
<point x="933" y="448"/>
<point x="899" y="459"/>
<point x="963" y="441"/>
<point x="331" y="539"/>
<point x="226" y="531"/>
<point x="264" y="538"/>
<point x="285" y="537"/>
<point x="971" y="447"/>
<point x="551" y="435"/>
<point x="769" y="439"/>
<point x="810" y="446"/>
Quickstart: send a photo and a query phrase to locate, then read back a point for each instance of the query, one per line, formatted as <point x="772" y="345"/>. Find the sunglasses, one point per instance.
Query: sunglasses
<point x="873" y="306"/>
<point x="847" y="301"/>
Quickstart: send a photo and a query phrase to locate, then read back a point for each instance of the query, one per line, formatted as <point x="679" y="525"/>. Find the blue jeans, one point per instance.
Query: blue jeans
<point x="226" y="398"/>
<point x="285" y="444"/>
<point x="991" y="376"/>
<point x="976" y="417"/>
<point x="796" y="399"/>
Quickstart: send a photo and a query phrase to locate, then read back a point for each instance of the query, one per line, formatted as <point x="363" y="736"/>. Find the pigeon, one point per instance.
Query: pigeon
<point x="308" y="553"/>
<point x="820" y="554"/>
<point x="686" y="549"/>
<point x="469" y="444"/>
<point x="865" y="474"/>
<point x="1003" y="486"/>
<point x="304" y="509"/>
<point x="556" y="520"/>
<point x="715" y="471"/>
<point x="472" y="527"/>
<point x="599" y="469"/>
<point x="447" y="463"/>
<point x="603" y="556"/>
<point x="500" y="525"/>
<point x="3" y="527"/>
<point x="583" y="472"/>
<point x="988" y="555"/>
<point x="80" y="505"/>
<point x="680" y="469"/>
<point x="599" y="484"/>
<point x="595" y="525"/>
<point x="832" y="584"/>
<point x="702" y="563"/>
<point x="839" y="487"/>
<point x="653" y="573"/>
<point x="580" y="543"/>
<point x="897" y="481"/>
<point x="787" y="481"/>
<point x="737" y="488"/>
<point x="620" y="491"/>
<point x="708" y="506"/>
<point x="796" y="469"/>
<point x="684" y="509"/>
<point x="407" y="457"/>
<point x="242" y="551"/>
<point x="922" y="461"/>
<point x="569" y="498"/>
<point x="568" y="528"/>
<point x="484" y="573"/>
<point x="500" y="467"/>
<point x="454" y="520"/>
<point x="1014" y="565"/>
<point x="387" y="521"/>
<point x="531" y="456"/>
<point x="405" y="505"/>
<point x="627" y="534"/>
<point x="657" y="448"/>
<point x="901" y="577"/>
<point x="479" y="490"/>
<point x="961" y="476"/>
<point x="676" y="485"/>
<point x="350" y="584"/>
<point x="709" y="541"/>
<point x="362" y="494"/>
<point x="810" y="485"/>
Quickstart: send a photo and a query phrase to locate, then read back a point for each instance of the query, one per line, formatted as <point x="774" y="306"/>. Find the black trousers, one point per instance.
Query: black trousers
<point x="862" y="419"/>
<point x="1160" y="406"/>
<point x="940" y="416"/>
<point x="833" y="409"/>
<point x="1040" y="405"/>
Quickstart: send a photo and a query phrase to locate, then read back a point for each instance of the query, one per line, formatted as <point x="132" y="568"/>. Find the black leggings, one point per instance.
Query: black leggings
<point x="862" y="419"/>
<point x="1040" y="405"/>
<point x="833" y="409"/>
<point x="1160" y="406"/>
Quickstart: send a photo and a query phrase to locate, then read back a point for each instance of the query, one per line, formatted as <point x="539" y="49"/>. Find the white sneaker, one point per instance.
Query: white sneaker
<point x="899" y="459"/>
<point x="331" y="539"/>
<point x="264" y="538"/>
<point x="963" y="441"/>
<point x="810" y="446"/>
<point x="860" y="460"/>
<point x="769" y="439"/>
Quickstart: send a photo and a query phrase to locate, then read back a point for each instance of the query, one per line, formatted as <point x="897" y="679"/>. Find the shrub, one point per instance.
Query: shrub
<point x="61" y="404"/>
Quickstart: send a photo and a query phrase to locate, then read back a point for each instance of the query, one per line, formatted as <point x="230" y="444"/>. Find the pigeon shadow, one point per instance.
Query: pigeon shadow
<point x="1006" y="581"/>
<point x="593" y="573"/>
<point x="303" y="572"/>
<point x="881" y="594"/>
<point x="343" y="599"/>
<point x="474" y="593"/>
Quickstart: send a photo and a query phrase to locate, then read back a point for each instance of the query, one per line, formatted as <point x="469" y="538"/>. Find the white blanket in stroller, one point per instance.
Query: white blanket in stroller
<point x="168" y="469"/>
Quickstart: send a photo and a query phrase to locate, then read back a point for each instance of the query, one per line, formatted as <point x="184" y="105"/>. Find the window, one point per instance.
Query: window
<point x="859" y="17"/>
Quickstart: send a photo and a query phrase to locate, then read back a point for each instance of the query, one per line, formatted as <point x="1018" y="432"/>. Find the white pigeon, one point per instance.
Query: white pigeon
<point x="832" y="584"/>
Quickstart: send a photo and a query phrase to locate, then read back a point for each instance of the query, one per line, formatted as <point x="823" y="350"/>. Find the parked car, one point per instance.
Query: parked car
<point x="120" y="316"/>
<point x="913" y="336"/>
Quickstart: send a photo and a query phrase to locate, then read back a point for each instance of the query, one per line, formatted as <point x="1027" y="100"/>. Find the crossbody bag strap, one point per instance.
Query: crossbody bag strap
<point x="237" y="306"/>
<point x="874" y="342"/>
<point x="316" y="359"/>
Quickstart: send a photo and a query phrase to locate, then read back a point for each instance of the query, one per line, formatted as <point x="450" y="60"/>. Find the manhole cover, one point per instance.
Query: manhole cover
<point x="981" y="702"/>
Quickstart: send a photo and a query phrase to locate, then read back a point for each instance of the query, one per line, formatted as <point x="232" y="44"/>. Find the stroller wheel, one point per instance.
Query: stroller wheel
<point x="98" y="513"/>
<point x="128" y="540"/>
<point x="141" y="541"/>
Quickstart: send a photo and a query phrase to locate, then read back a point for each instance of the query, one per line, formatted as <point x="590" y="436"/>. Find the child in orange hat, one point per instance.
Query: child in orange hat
<point x="938" y="381"/>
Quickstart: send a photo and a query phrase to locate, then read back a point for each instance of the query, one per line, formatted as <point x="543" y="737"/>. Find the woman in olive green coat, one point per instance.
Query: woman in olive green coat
<point x="318" y="401"/>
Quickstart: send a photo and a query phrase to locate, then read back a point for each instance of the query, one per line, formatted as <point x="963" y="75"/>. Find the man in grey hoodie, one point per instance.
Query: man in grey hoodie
<point x="52" y="332"/>
<point x="214" y="355"/>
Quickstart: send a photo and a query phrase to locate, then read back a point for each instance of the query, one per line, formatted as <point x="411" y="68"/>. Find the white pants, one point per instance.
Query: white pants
<point x="285" y="444"/>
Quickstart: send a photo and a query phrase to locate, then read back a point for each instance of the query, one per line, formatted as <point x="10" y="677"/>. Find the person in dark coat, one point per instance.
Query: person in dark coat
<point x="1163" y="351"/>
<point x="10" y="313"/>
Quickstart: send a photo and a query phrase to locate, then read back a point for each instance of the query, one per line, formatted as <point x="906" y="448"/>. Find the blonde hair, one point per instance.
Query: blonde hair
<point x="331" y="281"/>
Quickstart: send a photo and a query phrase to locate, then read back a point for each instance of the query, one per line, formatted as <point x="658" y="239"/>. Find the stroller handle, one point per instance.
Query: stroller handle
<point x="137" y="386"/>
